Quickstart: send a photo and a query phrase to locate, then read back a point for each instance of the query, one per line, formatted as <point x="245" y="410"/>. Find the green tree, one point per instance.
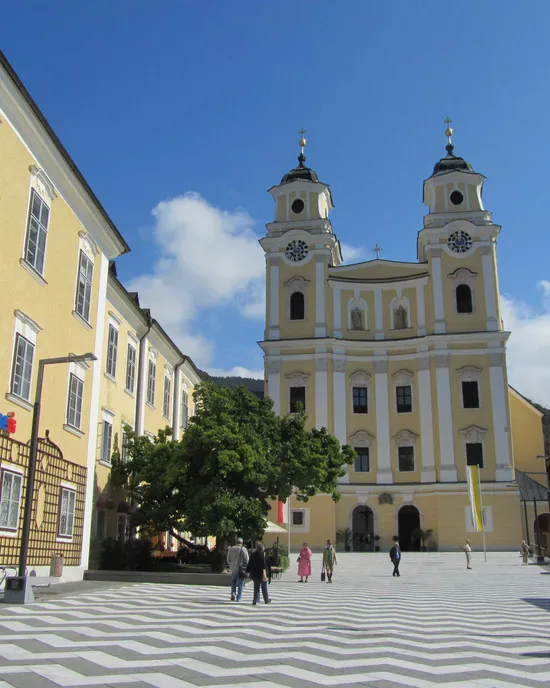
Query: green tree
<point x="234" y="457"/>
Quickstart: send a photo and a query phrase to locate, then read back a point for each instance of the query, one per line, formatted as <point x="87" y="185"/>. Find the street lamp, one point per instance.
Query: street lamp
<point x="18" y="590"/>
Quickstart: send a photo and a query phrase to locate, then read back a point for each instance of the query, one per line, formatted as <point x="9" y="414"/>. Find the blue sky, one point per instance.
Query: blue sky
<point x="158" y="100"/>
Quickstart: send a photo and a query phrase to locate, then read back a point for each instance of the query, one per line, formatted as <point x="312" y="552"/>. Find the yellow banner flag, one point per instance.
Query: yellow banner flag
<point x="474" y="488"/>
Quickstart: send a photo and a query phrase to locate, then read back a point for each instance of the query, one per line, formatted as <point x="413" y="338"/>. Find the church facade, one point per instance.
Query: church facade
<point x="404" y="361"/>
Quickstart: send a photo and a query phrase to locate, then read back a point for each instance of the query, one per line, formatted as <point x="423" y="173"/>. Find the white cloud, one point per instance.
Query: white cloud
<point x="352" y="254"/>
<point x="529" y="345"/>
<point x="208" y="258"/>
<point x="237" y="371"/>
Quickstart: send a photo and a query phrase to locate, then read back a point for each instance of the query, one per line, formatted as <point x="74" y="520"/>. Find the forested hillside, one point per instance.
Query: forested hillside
<point x="255" y="386"/>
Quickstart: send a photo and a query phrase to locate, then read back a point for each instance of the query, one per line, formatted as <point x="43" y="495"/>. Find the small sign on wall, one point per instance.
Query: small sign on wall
<point x="8" y="422"/>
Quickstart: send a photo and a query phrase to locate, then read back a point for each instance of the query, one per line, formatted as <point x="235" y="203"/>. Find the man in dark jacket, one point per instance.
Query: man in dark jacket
<point x="257" y="568"/>
<point x="395" y="556"/>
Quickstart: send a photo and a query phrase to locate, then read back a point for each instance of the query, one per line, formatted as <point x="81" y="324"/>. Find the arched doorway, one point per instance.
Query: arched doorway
<point x="543" y="523"/>
<point x="362" y="529"/>
<point x="408" y="520"/>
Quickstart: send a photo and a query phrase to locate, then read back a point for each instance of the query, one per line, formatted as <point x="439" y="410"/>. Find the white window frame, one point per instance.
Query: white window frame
<point x="297" y="379"/>
<point x="7" y="530"/>
<point x="29" y="329"/>
<point x="405" y="438"/>
<point x="167" y="402"/>
<point x="184" y="412"/>
<point x="395" y="303"/>
<point x="470" y="374"/>
<point x="132" y="344"/>
<point x="151" y="361"/>
<point x="111" y="359"/>
<point x="487" y="515"/>
<point x="360" y="378"/>
<point x="467" y="277"/>
<point x="403" y="378"/>
<point x="78" y="408"/>
<point x="107" y="417"/>
<point x="77" y="370"/>
<point x="293" y="285"/>
<point x="306" y="521"/>
<point x="71" y="499"/>
<point x="473" y="434"/>
<point x="84" y="287"/>
<point x="43" y="230"/>
<point x="123" y="433"/>
<point x="26" y="365"/>
<point x="362" y="440"/>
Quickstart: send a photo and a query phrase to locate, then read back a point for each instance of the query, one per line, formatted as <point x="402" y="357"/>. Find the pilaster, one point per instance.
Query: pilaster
<point x="504" y="470"/>
<point x="378" y="314"/>
<point x="447" y="472"/>
<point x="337" y="307"/>
<point x="489" y="288"/>
<point x="384" y="475"/>
<point x="273" y="332"/>
<point x="439" y="311"/>
<point x="321" y="391"/>
<point x="320" y="326"/>
<point x="426" y="421"/>
<point x="274" y="384"/>
<point x="421" y="308"/>
<point x="339" y="407"/>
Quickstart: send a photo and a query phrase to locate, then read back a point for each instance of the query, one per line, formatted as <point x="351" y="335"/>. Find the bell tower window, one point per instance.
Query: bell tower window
<point x="297" y="206"/>
<point x="456" y="197"/>
<point x="464" y="299"/>
<point x="297" y="306"/>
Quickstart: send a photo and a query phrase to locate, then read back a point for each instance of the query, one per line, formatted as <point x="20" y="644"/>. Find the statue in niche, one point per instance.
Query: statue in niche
<point x="400" y="318"/>
<point x="356" y="319"/>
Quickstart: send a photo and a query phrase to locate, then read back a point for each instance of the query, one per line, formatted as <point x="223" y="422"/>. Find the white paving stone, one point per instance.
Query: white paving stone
<point x="436" y="625"/>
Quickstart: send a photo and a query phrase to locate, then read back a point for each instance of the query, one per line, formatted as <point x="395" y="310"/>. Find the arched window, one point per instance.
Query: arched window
<point x="464" y="299"/>
<point x="297" y="306"/>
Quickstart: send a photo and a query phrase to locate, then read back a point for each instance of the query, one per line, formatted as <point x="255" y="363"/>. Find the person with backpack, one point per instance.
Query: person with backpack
<point x="395" y="556"/>
<point x="237" y="560"/>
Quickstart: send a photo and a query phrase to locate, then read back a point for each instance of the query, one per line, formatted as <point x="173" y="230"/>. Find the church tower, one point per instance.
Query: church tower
<point x="403" y="361"/>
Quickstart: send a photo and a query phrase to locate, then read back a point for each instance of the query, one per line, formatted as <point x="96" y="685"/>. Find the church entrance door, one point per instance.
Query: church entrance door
<point x="362" y="527"/>
<point x="408" y="521"/>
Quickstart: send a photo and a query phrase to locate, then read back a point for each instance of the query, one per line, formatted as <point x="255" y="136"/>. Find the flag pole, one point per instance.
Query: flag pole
<point x="288" y="524"/>
<point x="482" y="518"/>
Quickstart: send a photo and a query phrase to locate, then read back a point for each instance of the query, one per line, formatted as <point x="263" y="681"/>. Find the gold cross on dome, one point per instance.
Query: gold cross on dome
<point x="377" y="250"/>
<point x="302" y="142"/>
<point x="449" y="132"/>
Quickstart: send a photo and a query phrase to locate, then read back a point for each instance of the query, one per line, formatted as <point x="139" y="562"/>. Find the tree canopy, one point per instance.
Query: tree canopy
<point x="235" y="456"/>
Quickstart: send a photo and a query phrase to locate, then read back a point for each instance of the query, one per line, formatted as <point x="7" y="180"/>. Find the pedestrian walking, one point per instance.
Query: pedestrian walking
<point x="395" y="556"/>
<point x="257" y="568"/>
<point x="525" y="553"/>
<point x="304" y="563"/>
<point x="468" y="553"/>
<point x="329" y="560"/>
<point x="237" y="560"/>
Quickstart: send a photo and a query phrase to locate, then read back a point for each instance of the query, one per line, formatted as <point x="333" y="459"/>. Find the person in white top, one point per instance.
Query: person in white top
<point x="468" y="552"/>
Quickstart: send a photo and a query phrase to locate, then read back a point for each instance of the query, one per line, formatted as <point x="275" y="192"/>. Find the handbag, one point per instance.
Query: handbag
<point x="243" y="571"/>
<point x="323" y="576"/>
<point x="298" y="560"/>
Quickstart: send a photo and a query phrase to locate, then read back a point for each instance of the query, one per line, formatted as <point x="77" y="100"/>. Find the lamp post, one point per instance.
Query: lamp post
<point x="18" y="591"/>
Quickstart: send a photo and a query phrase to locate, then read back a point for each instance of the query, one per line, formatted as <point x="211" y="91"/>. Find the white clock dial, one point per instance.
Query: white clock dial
<point x="459" y="241"/>
<point x="296" y="251"/>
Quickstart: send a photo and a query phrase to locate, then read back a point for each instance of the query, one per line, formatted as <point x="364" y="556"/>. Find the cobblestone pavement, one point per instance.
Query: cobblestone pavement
<point x="437" y="624"/>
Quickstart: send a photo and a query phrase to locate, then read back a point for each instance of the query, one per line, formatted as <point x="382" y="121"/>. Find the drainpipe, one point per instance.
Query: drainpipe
<point x="141" y="373"/>
<point x="176" y="420"/>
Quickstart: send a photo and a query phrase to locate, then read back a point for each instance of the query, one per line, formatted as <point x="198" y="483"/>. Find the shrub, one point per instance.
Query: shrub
<point x="132" y="555"/>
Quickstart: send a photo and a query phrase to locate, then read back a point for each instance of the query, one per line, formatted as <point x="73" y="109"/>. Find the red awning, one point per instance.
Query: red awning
<point x="104" y="502"/>
<point x="123" y="508"/>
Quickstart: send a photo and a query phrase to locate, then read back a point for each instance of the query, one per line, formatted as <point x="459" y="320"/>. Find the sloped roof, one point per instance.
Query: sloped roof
<point x="530" y="489"/>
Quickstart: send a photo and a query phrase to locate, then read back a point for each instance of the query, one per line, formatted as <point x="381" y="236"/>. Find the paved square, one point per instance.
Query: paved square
<point x="437" y="624"/>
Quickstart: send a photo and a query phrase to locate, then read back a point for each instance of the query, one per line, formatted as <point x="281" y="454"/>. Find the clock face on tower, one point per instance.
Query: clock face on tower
<point x="296" y="251"/>
<point x="459" y="241"/>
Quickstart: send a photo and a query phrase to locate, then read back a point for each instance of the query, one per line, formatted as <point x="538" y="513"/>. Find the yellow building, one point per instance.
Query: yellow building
<point x="404" y="361"/>
<point x="61" y="296"/>
<point x="147" y="384"/>
<point x="57" y="241"/>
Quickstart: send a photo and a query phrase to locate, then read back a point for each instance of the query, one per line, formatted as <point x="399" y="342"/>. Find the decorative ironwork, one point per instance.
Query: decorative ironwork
<point x="385" y="498"/>
<point x="51" y="470"/>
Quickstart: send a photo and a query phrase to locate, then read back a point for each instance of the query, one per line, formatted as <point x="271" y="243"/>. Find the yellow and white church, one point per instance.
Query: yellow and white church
<point x="404" y="361"/>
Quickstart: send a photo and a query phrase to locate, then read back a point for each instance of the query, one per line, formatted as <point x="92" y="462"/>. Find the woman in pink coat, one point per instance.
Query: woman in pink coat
<point x="304" y="563"/>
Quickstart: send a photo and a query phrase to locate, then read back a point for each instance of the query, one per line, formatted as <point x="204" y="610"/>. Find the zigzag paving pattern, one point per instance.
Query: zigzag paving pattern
<point x="438" y="624"/>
